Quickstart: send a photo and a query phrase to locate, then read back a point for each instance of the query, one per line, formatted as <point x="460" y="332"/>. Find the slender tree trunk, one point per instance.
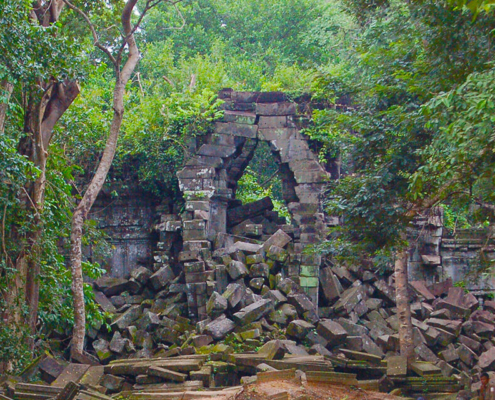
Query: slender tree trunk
<point x="403" y="306"/>
<point x="79" y="216"/>
<point x="83" y="208"/>
<point x="6" y="89"/>
<point x="41" y="116"/>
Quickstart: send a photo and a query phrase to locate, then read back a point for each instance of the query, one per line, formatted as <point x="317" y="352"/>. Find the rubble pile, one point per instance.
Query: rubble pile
<point x="219" y="374"/>
<point x="251" y="301"/>
<point x="236" y="294"/>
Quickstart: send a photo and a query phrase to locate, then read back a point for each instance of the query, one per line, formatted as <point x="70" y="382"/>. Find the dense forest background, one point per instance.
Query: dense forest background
<point x="410" y="90"/>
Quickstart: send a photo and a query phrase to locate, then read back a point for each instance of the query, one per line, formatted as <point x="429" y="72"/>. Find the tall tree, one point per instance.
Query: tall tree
<point x="46" y="94"/>
<point x="123" y="71"/>
<point x="406" y="53"/>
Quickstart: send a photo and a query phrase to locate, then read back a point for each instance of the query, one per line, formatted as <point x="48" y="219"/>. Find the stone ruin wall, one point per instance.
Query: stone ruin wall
<point x="128" y="221"/>
<point x="209" y="184"/>
<point x="440" y="255"/>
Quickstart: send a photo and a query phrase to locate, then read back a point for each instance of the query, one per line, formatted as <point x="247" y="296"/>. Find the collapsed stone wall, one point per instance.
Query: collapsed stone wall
<point x="209" y="182"/>
<point x="213" y="218"/>
<point x="439" y="255"/>
<point x="224" y="272"/>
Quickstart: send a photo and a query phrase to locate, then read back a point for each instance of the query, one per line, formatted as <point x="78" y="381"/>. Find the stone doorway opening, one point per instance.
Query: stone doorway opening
<point x="216" y="219"/>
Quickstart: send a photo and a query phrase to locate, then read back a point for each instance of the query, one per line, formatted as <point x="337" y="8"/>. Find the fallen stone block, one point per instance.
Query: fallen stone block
<point x="141" y="275"/>
<point x="452" y="326"/>
<point x="457" y="296"/>
<point x="385" y="291"/>
<point x="471" y="343"/>
<point x="354" y="343"/>
<point x="102" y="349"/>
<point x="216" y="305"/>
<point x="112" y="383"/>
<point x="279" y="239"/>
<point x="111" y="286"/>
<point x="332" y="331"/>
<point x="319" y="349"/>
<point x="353" y="329"/>
<point x="397" y="367"/>
<point x="449" y="355"/>
<point x="440" y="288"/>
<point x="487" y="360"/>
<point x="149" y="321"/>
<point x="253" y="312"/>
<point x="456" y="311"/>
<point x="72" y="372"/>
<point x="349" y="299"/>
<point x="127" y="318"/>
<point x="361" y="356"/>
<point x="117" y="344"/>
<point x="104" y="302"/>
<point x="275" y="296"/>
<point x="166" y="374"/>
<point x="301" y="302"/>
<point x="69" y="392"/>
<point x="234" y="294"/>
<point x="466" y="355"/>
<point x="160" y="278"/>
<point x="329" y="284"/>
<point x="299" y="329"/>
<point x="369" y="346"/>
<point x="425" y="369"/>
<point x="248" y="211"/>
<point x="219" y="327"/>
<point x="442" y="313"/>
<point x="50" y="369"/>
<point x="324" y="377"/>
<point x="425" y="354"/>
<point x="273" y="350"/>
<point x="269" y="376"/>
<point x="237" y="270"/>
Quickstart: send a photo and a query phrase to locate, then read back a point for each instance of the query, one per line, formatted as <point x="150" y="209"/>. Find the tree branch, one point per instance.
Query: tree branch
<point x="61" y="97"/>
<point x="431" y="201"/>
<point x="93" y="32"/>
<point x="485" y="205"/>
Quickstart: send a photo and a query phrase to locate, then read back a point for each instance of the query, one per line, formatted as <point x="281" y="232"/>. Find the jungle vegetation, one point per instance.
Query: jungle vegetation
<point x="409" y="89"/>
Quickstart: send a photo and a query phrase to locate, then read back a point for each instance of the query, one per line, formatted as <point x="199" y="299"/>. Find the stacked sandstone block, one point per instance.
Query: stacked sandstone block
<point x="209" y="181"/>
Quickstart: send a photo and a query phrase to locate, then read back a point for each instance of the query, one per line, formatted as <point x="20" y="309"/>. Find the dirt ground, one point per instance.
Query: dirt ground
<point x="297" y="391"/>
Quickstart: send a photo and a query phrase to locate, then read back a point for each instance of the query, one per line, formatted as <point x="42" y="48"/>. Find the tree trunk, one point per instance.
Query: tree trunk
<point x="40" y="118"/>
<point x="79" y="216"/>
<point x="47" y="102"/>
<point x="403" y="307"/>
<point x="6" y="89"/>
<point x="83" y="208"/>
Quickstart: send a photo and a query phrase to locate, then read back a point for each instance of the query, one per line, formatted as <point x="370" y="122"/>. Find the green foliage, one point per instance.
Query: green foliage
<point x="390" y="91"/>
<point x="455" y="218"/>
<point x="251" y="189"/>
<point x="31" y="53"/>
<point x="15" y="171"/>
<point x="262" y="178"/>
<point x="460" y="158"/>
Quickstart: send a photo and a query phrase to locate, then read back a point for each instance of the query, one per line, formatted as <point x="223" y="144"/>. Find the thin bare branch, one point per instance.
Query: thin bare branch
<point x="178" y="28"/>
<point x="149" y="5"/>
<point x="93" y="32"/>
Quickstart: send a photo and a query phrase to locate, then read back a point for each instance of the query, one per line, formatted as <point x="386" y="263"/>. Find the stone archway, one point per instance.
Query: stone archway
<point x="209" y="181"/>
